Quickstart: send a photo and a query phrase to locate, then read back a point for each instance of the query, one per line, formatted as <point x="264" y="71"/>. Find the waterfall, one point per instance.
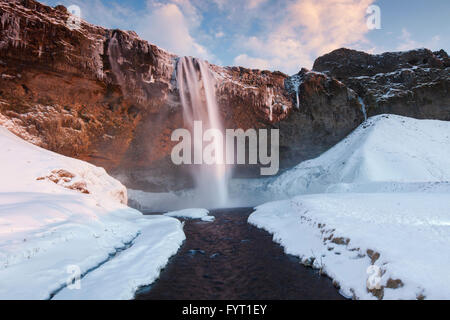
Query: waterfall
<point x="115" y="59"/>
<point x="363" y="108"/>
<point x="196" y="85"/>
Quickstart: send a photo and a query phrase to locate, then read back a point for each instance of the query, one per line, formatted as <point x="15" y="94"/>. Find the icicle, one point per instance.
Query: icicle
<point x="270" y="102"/>
<point x="363" y="108"/>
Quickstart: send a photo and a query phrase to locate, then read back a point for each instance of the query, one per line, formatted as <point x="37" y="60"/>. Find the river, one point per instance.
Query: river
<point x="229" y="259"/>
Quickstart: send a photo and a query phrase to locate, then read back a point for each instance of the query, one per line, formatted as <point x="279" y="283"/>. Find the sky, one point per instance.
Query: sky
<point x="283" y="35"/>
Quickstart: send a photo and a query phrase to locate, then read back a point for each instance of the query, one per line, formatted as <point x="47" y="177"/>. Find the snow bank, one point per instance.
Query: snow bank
<point x="22" y="164"/>
<point x="136" y="266"/>
<point x="385" y="148"/>
<point x="192" y="213"/>
<point x="57" y="212"/>
<point x="337" y="233"/>
<point x="379" y="221"/>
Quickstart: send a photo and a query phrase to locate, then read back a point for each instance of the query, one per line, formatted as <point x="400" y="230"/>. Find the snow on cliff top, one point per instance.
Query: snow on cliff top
<point x="57" y="213"/>
<point x="385" y="148"/>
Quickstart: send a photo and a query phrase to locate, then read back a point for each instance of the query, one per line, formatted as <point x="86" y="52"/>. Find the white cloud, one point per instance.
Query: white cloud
<point x="308" y="28"/>
<point x="278" y="35"/>
<point x="255" y="3"/>
<point x="168" y="26"/>
<point x="221" y="3"/>
<point x="407" y="42"/>
<point x="190" y="12"/>
<point x="252" y="63"/>
<point x="112" y="15"/>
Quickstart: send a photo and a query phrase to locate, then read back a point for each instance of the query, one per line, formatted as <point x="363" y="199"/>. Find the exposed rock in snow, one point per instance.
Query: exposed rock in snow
<point x="403" y="236"/>
<point x="58" y="213"/>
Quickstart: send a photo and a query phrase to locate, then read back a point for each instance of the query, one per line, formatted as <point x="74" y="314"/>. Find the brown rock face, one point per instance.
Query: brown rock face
<point x="80" y="92"/>
<point x="110" y="98"/>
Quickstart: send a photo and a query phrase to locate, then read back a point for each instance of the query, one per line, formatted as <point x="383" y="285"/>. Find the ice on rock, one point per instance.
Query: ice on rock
<point x="363" y="108"/>
<point x="292" y="84"/>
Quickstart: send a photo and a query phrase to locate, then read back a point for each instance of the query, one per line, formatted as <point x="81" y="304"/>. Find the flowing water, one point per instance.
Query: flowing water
<point x="230" y="259"/>
<point x="197" y="88"/>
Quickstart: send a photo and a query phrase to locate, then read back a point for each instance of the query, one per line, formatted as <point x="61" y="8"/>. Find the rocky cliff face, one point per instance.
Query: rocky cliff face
<point x="325" y="111"/>
<point x="80" y="92"/>
<point x="412" y="83"/>
<point x="110" y="98"/>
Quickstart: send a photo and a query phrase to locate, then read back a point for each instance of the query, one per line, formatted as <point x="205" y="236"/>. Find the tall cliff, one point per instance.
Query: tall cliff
<point x="110" y="98"/>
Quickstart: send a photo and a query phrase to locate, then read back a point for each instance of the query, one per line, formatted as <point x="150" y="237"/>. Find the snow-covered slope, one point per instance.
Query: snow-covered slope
<point x="408" y="232"/>
<point x="25" y="167"/>
<point x="385" y="148"/>
<point x="138" y="265"/>
<point x="378" y="222"/>
<point x="58" y="213"/>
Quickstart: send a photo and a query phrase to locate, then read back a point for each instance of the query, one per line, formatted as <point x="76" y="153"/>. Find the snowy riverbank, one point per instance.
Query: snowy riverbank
<point x="60" y="215"/>
<point x="378" y="222"/>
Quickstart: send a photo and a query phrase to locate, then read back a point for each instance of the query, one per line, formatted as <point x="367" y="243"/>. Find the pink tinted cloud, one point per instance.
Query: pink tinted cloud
<point x="307" y="29"/>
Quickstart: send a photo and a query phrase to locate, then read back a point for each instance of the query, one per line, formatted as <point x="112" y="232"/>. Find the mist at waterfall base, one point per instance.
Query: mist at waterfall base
<point x="241" y="193"/>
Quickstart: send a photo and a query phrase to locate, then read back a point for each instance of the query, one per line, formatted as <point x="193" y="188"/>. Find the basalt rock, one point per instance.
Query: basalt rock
<point x="411" y="83"/>
<point x="326" y="111"/>
<point x="110" y="98"/>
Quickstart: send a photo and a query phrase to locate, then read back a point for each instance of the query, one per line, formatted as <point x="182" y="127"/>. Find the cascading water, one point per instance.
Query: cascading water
<point x="114" y="56"/>
<point x="196" y="85"/>
<point x="363" y="108"/>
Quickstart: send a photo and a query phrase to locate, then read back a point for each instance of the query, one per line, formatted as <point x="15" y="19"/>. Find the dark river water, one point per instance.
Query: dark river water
<point x="230" y="259"/>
